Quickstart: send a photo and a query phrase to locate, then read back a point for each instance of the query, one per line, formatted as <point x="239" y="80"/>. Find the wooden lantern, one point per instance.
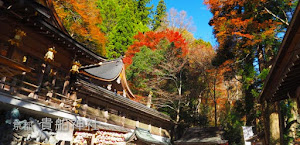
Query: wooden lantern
<point x="49" y="56"/>
<point x="75" y="67"/>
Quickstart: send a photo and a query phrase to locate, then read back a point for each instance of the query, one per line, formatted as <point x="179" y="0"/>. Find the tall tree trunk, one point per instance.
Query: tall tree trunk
<point x="248" y="87"/>
<point x="269" y="54"/>
<point x="178" y="112"/>
<point x="261" y="59"/>
<point x="149" y="99"/>
<point x="176" y="127"/>
<point x="281" y="123"/>
<point x="215" y="101"/>
<point x="293" y="119"/>
<point x="179" y="94"/>
<point x="266" y="121"/>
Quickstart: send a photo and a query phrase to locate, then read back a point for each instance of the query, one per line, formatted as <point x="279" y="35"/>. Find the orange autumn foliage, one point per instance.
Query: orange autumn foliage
<point x="201" y="54"/>
<point x="220" y="87"/>
<point x="152" y="39"/>
<point x="230" y="21"/>
<point x="86" y="17"/>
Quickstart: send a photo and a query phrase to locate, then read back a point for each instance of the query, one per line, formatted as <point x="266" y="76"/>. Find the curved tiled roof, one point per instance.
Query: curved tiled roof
<point x="144" y="136"/>
<point x="108" y="71"/>
<point x="105" y="71"/>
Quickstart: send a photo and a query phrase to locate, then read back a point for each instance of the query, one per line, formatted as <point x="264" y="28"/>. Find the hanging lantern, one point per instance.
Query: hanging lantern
<point x="24" y="59"/>
<point x="75" y="67"/>
<point x="119" y="80"/>
<point x="17" y="40"/>
<point x="109" y="86"/>
<point x="49" y="56"/>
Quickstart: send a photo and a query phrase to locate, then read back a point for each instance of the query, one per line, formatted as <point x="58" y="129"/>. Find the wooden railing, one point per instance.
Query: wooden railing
<point x="25" y="89"/>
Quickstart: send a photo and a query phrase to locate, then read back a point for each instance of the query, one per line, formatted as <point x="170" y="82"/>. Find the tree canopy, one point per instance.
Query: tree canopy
<point x="170" y="70"/>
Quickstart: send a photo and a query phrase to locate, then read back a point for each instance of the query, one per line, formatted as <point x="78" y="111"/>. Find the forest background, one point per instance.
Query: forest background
<point x="168" y="69"/>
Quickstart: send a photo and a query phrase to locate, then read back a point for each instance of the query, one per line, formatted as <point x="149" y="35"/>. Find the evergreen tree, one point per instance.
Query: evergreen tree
<point x="122" y="19"/>
<point x="160" y="13"/>
<point x="109" y="10"/>
<point x="143" y="12"/>
<point x="122" y="34"/>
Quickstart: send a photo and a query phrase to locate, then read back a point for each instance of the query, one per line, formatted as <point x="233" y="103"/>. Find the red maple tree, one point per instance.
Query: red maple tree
<point x="152" y="39"/>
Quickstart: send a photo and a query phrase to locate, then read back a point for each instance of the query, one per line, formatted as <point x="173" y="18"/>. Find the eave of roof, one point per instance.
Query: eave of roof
<point x="144" y="136"/>
<point x="103" y="71"/>
<point x="122" y="101"/>
<point x="71" y="40"/>
<point x="118" y="73"/>
<point x="46" y="13"/>
<point x="281" y="65"/>
<point x="55" y="16"/>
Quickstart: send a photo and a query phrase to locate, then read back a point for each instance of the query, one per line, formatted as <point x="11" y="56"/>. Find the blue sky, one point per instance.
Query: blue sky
<point x="201" y="16"/>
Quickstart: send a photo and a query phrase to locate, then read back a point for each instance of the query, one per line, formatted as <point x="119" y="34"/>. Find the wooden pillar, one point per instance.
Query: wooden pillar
<point x="149" y="127"/>
<point x="52" y="83"/>
<point x="160" y="131"/>
<point x="22" y="79"/>
<point x="66" y="86"/>
<point x="3" y="79"/>
<point x="40" y="80"/>
<point x="274" y="125"/>
<point x="137" y="123"/>
<point x="73" y="97"/>
<point x="123" y="120"/>
<point x="54" y="73"/>
<point x="84" y="109"/>
<point x="106" y="115"/>
<point x="12" y="88"/>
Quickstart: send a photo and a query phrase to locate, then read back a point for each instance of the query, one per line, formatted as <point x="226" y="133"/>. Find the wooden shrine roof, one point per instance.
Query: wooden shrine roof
<point x="143" y="136"/>
<point x="284" y="76"/>
<point x="105" y="71"/>
<point x="123" y="104"/>
<point x="108" y="71"/>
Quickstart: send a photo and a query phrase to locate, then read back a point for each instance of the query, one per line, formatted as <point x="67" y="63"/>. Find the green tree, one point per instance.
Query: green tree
<point x="141" y="69"/>
<point x="122" y="19"/>
<point x="232" y="124"/>
<point x="109" y="10"/>
<point x="122" y="34"/>
<point x="143" y="12"/>
<point x="160" y="14"/>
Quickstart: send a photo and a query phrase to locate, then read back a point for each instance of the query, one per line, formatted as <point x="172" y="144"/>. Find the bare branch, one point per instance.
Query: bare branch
<point x="164" y="105"/>
<point x="283" y="21"/>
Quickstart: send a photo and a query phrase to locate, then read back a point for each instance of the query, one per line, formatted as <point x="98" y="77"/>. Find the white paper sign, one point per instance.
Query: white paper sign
<point x="247" y="131"/>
